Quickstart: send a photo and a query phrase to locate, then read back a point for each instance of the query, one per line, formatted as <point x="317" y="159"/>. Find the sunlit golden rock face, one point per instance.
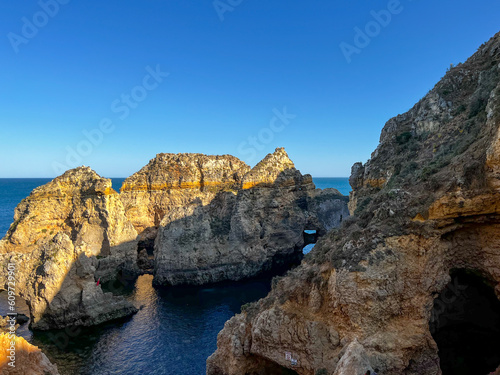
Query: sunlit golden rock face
<point x="28" y="358"/>
<point x="68" y="234"/>
<point x="267" y="171"/>
<point x="82" y="205"/>
<point x="172" y="181"/>
<point x="426" y="203"/>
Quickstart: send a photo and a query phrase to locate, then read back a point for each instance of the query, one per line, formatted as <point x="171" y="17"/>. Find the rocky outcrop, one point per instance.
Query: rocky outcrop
<point x="66" y="236"/>
<point x="426" y="203"/>
<point x="177" y="181"/>
<point x="267" y="171"/>
<point x="28" y="359"/>
<point x="82" y="205"/>
<point x="12" y="321"/>
<point x="58" y="284"/>
<point x="241" y="233"/>
<point x="353" y="361"/>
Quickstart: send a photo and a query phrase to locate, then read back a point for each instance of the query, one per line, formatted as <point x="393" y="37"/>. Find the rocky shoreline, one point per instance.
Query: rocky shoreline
<point x="424" y="211"/>
<point x="76" y="232"/>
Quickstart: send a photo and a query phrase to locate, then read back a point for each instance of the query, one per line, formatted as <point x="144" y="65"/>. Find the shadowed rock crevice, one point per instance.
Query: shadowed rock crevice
<point x="465" y="323"/>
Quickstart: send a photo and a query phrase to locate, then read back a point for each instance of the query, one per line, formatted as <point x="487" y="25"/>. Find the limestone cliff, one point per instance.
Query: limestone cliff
<point x="66" y="235"/>
<point x="82" y="205"/>
<point x="426" y="205"/>
<point x="173" y="181"/>
<point x="29" y="360"/>
<point x="246" y="231"/>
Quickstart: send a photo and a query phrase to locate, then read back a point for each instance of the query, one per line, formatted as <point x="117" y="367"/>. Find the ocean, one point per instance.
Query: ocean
<point x="173" y="333"/>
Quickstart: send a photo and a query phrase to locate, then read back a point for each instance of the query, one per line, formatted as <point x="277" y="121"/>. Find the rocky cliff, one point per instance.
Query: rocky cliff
<point x="177" y="181"/>
<point x="426" y="210"/>
<point x="82" y="205"/>
<point x="66" y="235"/>
<point x="257" y="226"/>
<point x="76" y="230"/>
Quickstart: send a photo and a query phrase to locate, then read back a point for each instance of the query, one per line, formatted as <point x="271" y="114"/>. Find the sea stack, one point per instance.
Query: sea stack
<point x="255" y="227"/>
<point x="68" y="234"/>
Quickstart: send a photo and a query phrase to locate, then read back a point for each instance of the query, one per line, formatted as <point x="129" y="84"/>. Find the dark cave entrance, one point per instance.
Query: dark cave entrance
<point x="145" y="250"/>
<point x="465" y="323"/>
<point x="266" y="367"/>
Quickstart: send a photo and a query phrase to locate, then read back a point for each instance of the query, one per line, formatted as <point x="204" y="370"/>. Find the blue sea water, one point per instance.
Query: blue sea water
<point x="12" y="191"/>
<point x="339" y="183"/>
<point x="174" y="332"/>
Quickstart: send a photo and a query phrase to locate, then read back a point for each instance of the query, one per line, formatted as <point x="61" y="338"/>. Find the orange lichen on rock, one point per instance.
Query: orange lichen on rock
<point x="375" y="183"/>
<point x="169" y="186"/>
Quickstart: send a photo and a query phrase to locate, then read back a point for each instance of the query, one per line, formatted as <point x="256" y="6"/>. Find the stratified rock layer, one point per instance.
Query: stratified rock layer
<point x="242" y="233"/>
<point x="175" y="181"/>
<point x="67" y="235"/>
<point x="426" y="203"/>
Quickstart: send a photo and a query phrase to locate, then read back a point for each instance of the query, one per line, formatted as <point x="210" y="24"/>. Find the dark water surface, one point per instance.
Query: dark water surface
<point x="174" y="332"/>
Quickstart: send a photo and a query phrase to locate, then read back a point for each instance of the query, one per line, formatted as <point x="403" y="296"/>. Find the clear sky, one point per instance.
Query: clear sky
<point x="85" y="82"/>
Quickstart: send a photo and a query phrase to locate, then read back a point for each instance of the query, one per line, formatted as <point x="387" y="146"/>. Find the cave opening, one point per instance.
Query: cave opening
<point x="145" y="250"/>
<point x="264" y="366"/>
<point x="310" y="238"/>
<point x="465" y="323"/>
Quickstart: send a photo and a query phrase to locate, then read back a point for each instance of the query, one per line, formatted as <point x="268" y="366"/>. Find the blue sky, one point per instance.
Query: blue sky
<point x="244" y="77"/>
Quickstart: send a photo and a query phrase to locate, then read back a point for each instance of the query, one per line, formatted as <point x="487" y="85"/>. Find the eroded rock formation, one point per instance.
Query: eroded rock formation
<point x="256" y="227"/>
<point x="425" y="204"/>
<point x="82" y="205"/>
<point x="74" y="231"/>
<point x="68" y="234"/>
<point x="177" y="181"/>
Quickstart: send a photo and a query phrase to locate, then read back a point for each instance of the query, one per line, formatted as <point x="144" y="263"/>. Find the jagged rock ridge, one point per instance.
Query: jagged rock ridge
<point x="256" y="227"/>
